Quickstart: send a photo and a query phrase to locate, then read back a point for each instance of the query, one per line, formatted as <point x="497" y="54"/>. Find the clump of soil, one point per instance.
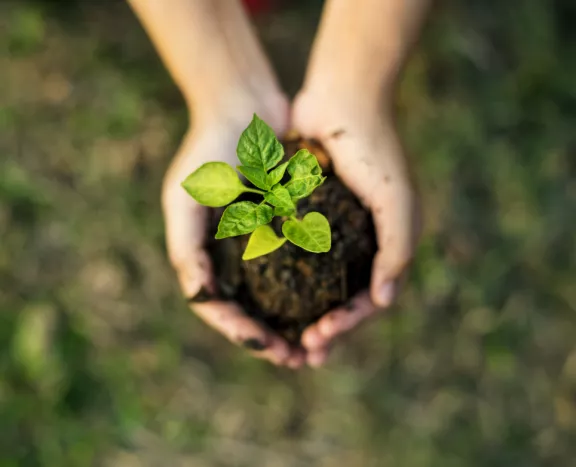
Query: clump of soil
<point x="291" y="288"/>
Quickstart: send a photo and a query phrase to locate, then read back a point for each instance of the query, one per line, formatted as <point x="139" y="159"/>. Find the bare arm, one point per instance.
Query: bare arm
<point x="362" y="45"/>
<point x="210" y="50"/>
<point x="215" y="59"/>
<point x="358" y="53"/>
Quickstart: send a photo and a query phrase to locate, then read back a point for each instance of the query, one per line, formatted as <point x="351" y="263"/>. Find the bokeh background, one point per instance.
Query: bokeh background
<point x="101" y="364"/>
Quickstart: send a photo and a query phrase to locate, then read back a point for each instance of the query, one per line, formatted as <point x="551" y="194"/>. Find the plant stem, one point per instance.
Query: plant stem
<point x="254" y="190"/>
<point x="294" y="218"/>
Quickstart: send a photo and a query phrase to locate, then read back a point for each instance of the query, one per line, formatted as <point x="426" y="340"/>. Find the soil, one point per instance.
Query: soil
<point x="291" y="288"/>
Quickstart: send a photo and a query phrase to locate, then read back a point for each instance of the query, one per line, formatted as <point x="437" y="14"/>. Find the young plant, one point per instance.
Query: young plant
<point x="216" y="184"/>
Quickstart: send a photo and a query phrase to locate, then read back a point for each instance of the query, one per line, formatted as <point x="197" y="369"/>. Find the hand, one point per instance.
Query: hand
<point x="368" y="157"/>
<point x="215" y="139"/>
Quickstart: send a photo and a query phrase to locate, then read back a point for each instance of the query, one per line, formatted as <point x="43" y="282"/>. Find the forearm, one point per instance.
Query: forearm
<point x="208" y="47"/>
<point x="362" y="45"/>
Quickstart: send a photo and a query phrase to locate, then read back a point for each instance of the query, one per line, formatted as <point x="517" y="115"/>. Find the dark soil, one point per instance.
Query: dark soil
<point x="291" y="288"/>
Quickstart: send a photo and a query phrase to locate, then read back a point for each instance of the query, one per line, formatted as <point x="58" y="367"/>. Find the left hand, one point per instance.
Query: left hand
<point x="367" y="156"/>
<point x="214" y="138"/>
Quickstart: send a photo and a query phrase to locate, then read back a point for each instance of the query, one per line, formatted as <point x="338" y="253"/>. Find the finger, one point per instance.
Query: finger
<point x="397" y="234"/>
<point x="382" y="185"/>
<point x="392" y="215"/>
<point x="318" y="336"/>
<point x="312" y="338"/>
<point x="337" y="322"/>
<point x="185" y="223"/>
<point x="333" y="324"/>
<point x="317" y="358"/>
<point x="344" y="319"/>
<point x="296" y="359"/>
<point x="228" y="319"/>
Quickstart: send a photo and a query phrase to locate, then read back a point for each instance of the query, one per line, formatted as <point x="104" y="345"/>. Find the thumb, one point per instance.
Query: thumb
<point x="393" y="214"/>
<point x="185" y="224"/>
<point x="374" y="169"/>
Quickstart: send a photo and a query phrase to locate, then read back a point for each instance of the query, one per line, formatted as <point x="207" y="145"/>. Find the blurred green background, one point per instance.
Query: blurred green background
<point x="101" y="364"/>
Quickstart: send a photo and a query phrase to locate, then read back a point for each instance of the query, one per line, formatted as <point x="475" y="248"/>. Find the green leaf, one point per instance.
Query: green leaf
<point x="262" y="241"/>
<point x="280" y="198"/>
<point x="304" y="163"/>
<point x="214" y="184"/>
<point x="242" y="218"/>
<point x="306" y="174"/>
<point x="257" y="177"/>
<point x="303" y="187"/>
<point x="275" y="176"/>
<point x="311" y="233"/>
<point x="258" y="146"/>
<point x="264" y="214"/>
<point x="283" y="212"/>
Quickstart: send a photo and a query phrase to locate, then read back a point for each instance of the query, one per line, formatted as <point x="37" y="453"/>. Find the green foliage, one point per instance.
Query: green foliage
<point x="283" y="212"/>
<point x="275" y="175"/>
<point x="306" y="174"/>
<point x="215" y="184"/>
<point x="257" y="177"/>
<point x="280" y="198"/>
<point x="474" y="367"/>
<point x="311" y="233"/>
<point x="262" y="241"/>
<point x="26" y="31"/>
<point x="242" y="218"/>
<point x="258" y="146"/>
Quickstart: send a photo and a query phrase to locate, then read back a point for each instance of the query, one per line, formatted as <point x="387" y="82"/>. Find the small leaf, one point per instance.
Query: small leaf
<point x="283" y="212"/>
<point x="312" y="233"/>
<point x="264" y="214"/>
<point x="304" y="163"/>
<point x="306" y="174"/>
<point x="303" y="187"/>
<point x="214" y="184"/>
<point x="279" y="197"/>
<point x="262" y="241"/>
<point x="242" y="218"/>
<point x="275" y="176"/>
<point x="257" y="177"/>
<point x="258" y="146"/>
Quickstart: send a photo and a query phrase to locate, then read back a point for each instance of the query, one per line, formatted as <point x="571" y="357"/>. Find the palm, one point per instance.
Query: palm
<point x="186" y="232"/>
<point x="367" y="156"/>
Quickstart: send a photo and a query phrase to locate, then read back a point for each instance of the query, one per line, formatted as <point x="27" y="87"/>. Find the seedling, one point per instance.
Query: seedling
<point x="216" y="184"/>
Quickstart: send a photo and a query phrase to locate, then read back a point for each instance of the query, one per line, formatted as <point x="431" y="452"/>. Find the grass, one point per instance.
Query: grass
<point x="101" y="363"/>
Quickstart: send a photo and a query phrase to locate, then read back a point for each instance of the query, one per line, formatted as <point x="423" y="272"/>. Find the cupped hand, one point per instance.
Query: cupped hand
<point x="368" y="157"/>
<point x="215" y="139"/>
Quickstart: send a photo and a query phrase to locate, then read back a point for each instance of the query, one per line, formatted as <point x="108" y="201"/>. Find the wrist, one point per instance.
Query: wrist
<point x="344" y="97"/>
<point x="234" y="106"/>
<point x="324" y="111"/>
<point x="368" y="93"/>
<point x="362" y="50"/>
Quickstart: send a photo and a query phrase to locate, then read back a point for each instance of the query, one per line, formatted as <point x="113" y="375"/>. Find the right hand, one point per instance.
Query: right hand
<point x="215" y="139"/>
<point x="368" y="157"/>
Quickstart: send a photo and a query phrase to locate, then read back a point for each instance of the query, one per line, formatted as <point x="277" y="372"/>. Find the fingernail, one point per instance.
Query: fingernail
<point x="254" y="344"/>
<point x="203" y="296"/>
<point x="386" y="294"/>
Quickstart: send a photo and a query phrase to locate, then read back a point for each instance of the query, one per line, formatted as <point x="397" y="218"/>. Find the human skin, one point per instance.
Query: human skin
<point x="346" y="104"/>
<point x="213" y="55"/>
